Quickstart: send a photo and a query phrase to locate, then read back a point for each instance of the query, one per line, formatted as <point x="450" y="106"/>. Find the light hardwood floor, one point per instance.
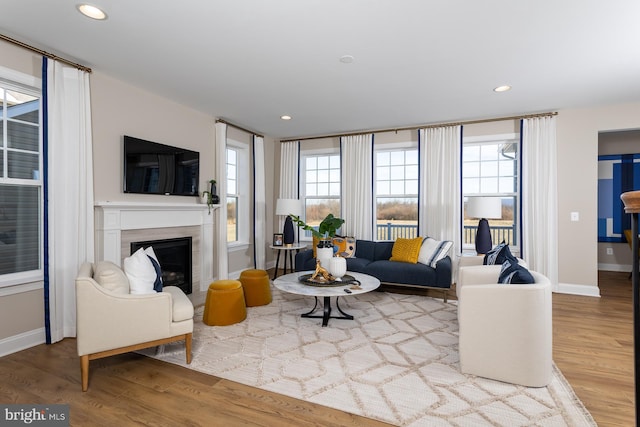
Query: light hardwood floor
<point x="592" y="347"/>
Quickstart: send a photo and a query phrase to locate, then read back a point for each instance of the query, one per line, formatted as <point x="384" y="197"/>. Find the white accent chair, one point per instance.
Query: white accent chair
<point x="111" y="321"/>
<point x="505" y="330"/>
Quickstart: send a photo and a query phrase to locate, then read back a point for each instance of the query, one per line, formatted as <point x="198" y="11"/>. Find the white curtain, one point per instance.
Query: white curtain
<point x="221" y="214"/>
<point x="70" y="191"/>
<point x="440" y="188"/>
<point x="259" y="200"/>
<point x="289" y="158"/>
<point x="357" y="185"/>
<point x="539" y="196"/>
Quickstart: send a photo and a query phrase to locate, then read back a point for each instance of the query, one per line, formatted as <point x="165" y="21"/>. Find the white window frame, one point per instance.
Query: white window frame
<point x="303" y="182"/>
<point x="243" y="209"/>
<point x="488" y="140"/>
<point x="34" y="279"/>
<point x="386" y="147"/>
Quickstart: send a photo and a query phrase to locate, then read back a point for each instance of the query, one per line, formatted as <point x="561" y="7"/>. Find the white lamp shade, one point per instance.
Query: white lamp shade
<point x="288" y="207"/>
<point x="484" y="207"/>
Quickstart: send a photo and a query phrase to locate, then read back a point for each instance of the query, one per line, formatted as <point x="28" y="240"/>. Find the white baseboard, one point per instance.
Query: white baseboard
<point x="22" y="341"/>
<point x="573" y="289"/>
<point x="615" y="267"/>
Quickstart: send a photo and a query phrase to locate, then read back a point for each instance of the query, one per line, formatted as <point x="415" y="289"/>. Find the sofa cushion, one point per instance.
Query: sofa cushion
<point x="402" y="273"/>
<point x="515" y="274"/>
<point x="182" y="307"/>
<point x="111" y="277"/>
<point x="498" y="255"/>
<point x="140" y="272"/>
<point x="366" y="249"/>
<point x="406" y="250"/>
<point x="358" y="265"/>
<point x="433" y="250"/>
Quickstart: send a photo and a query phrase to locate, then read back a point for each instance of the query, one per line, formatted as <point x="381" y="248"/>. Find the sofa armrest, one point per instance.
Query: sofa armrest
<point x="444" y="272"/>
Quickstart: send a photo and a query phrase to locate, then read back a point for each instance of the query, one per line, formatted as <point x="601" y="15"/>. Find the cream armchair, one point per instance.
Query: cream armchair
<point x="505" y="330"/>
<point x="111" y="321"/>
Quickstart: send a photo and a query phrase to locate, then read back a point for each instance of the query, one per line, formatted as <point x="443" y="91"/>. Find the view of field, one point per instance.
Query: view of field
<point x="397" y="219"/>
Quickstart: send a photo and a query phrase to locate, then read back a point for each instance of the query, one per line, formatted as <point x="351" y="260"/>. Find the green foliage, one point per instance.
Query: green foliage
<point x="327" y="228"/>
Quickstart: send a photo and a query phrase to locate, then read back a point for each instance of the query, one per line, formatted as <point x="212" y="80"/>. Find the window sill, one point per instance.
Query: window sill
<point x="21" y="288"/>
<point x="237" y="247"/>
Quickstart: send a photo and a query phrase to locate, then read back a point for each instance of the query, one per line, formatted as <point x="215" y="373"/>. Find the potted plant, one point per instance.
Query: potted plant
<point x="210" y="196"/>
<point x="325" y="232"/>
<point x="327" y="228"/>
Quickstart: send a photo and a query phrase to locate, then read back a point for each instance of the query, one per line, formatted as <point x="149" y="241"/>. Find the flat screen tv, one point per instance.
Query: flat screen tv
<point x="152" y="168"/>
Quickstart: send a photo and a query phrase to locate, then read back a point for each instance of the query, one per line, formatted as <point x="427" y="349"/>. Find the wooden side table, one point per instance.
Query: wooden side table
<point x="288" y="253"/>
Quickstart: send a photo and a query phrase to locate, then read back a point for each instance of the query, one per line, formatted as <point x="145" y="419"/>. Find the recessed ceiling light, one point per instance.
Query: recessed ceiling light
<point x="92" y="12"/>
<point x="503" y="88"/>
<point x="285" y="117"/>
<point x="346" y="59"/>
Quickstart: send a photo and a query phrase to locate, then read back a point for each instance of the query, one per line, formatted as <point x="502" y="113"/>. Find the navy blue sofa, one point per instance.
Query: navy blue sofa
<point x="372" y="258"/>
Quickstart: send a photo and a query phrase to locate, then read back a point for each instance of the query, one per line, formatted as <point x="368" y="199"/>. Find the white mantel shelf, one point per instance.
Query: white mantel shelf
<point x="114" y="217"/>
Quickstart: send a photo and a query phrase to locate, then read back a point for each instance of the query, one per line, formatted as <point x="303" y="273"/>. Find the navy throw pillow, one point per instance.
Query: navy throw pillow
<point x="498" y="255"/>
<point x="515" y="274"/>
<point x="157" y="285"/>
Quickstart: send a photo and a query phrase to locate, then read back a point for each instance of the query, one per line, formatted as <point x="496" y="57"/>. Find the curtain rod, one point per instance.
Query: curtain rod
<point x="239" y="127"/>
<point x="44" y="53"/>
<point x="468" y="122"/>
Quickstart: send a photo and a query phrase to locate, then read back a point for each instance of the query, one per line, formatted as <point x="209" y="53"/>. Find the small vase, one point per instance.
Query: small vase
<point x="338" y="267"/>
<point x="324" y="252"/>
<point x="215" y="199"/>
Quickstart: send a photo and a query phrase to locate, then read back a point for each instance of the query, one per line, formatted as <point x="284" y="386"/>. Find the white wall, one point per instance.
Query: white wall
<point x="577" y="189"/>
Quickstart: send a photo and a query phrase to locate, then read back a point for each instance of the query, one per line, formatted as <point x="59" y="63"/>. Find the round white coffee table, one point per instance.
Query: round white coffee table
<point x="290" y="283"/>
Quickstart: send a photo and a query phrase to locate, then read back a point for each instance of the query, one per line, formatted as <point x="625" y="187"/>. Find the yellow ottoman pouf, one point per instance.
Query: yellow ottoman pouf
<point x="224" y="304"/>
<point x="256" y="286"/>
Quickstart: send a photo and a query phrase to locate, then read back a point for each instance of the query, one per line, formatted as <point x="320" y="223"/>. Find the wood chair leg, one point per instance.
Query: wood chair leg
<point x="84" y="371"/>
<point x="187" y="347"/>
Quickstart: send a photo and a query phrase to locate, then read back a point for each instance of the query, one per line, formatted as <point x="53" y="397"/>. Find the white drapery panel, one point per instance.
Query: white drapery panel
<point x="357" y="185"/>
<point x="70" y="191"/>
<point x="221" y="214"/>
<point x="289" y="175"/>
<point x="259" y="207"/>
<point x="539" y="196"/>
<point x="440" y="190"/>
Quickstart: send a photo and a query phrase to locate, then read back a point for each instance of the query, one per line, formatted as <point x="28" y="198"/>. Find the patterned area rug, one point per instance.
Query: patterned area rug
<point x="396" y="362"/>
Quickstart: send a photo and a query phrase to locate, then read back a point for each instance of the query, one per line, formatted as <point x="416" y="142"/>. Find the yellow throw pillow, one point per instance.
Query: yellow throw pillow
<point x="406" y="250"/>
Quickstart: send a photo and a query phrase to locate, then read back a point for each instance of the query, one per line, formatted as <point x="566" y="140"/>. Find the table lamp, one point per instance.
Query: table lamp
<point x="484" y="208"/>
<point x="288" y="207"/>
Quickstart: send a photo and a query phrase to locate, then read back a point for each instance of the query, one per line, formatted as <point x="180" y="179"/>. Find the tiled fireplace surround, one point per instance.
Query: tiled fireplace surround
<point x="117" y="224"/>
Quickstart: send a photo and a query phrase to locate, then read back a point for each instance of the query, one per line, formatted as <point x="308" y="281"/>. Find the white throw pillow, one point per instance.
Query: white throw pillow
<point x="433" y="251"/>
<point x="157" y="285"/>
<point x="140" y="272"/>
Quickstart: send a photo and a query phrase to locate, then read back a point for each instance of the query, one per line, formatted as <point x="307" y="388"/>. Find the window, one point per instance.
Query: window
<point x="490" y="167"/>
<point x="237" y="192"/>
<point x="396" y="175"/>
<point x="20" y="184"/>
<point x="321" y="187"/>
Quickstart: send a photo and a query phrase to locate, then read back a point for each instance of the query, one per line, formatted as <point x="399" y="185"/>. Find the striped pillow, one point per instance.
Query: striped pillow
<point x="433" y="251"/>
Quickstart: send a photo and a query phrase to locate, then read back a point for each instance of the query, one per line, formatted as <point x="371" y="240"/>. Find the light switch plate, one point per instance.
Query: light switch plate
<point x="575" y="216"/>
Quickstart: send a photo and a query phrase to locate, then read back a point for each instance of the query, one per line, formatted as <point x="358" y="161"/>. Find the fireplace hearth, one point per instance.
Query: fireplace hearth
<point x="174" y="256"/>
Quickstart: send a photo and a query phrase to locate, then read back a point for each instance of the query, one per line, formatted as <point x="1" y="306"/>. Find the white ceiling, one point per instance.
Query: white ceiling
<point x="415" y="61"/>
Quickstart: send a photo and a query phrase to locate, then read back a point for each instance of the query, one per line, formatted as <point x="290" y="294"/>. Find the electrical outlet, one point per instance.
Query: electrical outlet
<point x="609" y="251"/>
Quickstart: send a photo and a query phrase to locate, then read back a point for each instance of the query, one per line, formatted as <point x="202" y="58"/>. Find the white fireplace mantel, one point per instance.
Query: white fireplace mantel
<point x="112" y="218"/>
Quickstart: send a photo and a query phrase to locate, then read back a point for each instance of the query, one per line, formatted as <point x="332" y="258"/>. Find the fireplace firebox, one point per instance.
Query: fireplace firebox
<point x="174" y="257"/>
